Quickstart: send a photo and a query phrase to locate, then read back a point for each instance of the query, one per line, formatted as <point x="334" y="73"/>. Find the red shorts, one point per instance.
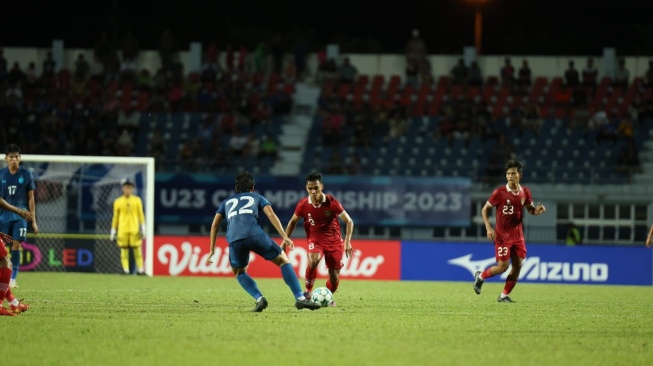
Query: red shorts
<point x="3" y="250"/>
<point x="504" y="251"/>
<point x="331" y="251"/>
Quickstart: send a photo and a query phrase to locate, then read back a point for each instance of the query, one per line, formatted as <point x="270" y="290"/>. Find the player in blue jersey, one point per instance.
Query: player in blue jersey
<point x="245" y="235"/>
<point x="17" y="186"/>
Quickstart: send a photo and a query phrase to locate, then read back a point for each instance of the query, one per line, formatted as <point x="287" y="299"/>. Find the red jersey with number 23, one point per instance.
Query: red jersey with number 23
<point x="321" y="220"/>
<point x="510" y="213"/>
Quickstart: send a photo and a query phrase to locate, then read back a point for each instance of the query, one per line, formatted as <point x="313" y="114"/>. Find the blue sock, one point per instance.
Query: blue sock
<point x="249" y="285"/>
<point x="290" y="278"/>
<point x="15" y="263"/>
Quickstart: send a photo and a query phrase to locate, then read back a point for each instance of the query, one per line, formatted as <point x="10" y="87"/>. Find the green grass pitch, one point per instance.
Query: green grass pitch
<point x="91" y="319"/>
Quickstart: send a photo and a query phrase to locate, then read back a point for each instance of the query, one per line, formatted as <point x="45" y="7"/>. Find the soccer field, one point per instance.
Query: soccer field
<point x="91" y="319"/>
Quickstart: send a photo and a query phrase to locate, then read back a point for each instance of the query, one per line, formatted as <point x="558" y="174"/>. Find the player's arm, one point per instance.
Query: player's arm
<point x="536" y="210"/>
<point x="215" y="226"/>
<point x="650" y="237"/>
<point x="291" y="226"/>
<point x="114" y="220"/>
<point x="9" y="207"/>
<point x="274" y="220"/>
<point x="141" y="218"/>
<point x="32" y="209"/>
<point x="486" y="219"/>
<point x="349" y="229"/>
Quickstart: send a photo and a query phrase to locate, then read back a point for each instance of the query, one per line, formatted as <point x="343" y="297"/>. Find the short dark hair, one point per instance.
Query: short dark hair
<point x="512" y="163"/>
<point x="12" y="148"/>
<point x="244" y="182"/>
<point x="314" y="176"/>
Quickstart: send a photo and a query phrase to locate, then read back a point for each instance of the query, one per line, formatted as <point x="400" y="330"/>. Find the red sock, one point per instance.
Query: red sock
<point x="5" y="276"/>
<point x="332" y="287"/>
<point x="509" y="286"/>
<point x="10" y="296"/>
<point x="310" y="276"/>
<point x="487" y="274"/>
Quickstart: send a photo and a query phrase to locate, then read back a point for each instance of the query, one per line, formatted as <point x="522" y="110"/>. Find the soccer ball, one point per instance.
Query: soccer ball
<point x="322" y="296"/>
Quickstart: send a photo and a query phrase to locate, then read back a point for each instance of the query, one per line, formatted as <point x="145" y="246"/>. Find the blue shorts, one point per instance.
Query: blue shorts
<point x="17" y="229"/>
<point x="262" y="245"/>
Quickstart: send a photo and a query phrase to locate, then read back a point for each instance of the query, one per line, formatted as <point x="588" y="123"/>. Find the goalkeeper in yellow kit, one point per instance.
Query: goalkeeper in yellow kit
<point x="128" y="226"/>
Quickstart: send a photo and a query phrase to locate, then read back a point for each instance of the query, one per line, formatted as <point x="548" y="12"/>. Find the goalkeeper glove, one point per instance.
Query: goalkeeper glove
<point x="112" y="237"/>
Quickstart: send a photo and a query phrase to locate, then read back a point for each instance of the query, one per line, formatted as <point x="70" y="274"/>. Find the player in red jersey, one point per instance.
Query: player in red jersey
<point x="320" y="213"/>
<point x="508" y="238"/>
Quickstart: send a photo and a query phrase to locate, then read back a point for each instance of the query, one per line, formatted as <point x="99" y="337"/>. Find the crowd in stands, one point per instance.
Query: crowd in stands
<point x="609" y="117"/>
<point x="113" y="111"/>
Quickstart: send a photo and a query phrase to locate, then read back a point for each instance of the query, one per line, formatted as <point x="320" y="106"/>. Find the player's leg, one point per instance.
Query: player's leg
<point x="314" y="255"/>
<point x="333" y="260"/>
<point x="136" y="247"/>
<point x="502" y="255"/>
<point x="5" y="276"/>
<point x="239" y="259"/>
<point x="123" y="243"/>
<point x="15" y="306"/>
<point x="18" y="230"/>
<point x="270" y="251"/>
<point x="517" y="255"/>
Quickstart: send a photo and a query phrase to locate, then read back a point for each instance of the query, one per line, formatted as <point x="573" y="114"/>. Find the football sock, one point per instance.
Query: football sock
<point x="509" y="286"/>
<point x="124" y="259"/>
<point x="15" y="263"/>
<point x="249" y="285"/>
<point x="11" y="299"/>
<point x="311" y="275"/>
<point x="5" y="276"/>
<point x="138" y="258"/>
<point x="487" y="274"/>
<point x="332" y="286"/>
<point x="290" y="278"/>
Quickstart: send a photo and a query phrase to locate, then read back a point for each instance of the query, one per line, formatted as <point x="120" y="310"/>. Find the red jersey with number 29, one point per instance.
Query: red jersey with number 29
<point x="510" y="213"/>
<point x="321" y="220"/>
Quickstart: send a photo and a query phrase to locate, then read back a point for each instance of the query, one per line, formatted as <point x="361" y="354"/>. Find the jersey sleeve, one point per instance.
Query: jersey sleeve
<point x="221" y="209"/>
<point x="30" y="184"/>
<point x="494" y="198"/>
<point x="116" y="213"/>
<point x="528" y="197"/>
<point x="141" y="214"/>
<point x="263" y="202"/>
<point x="336" y="206"/>
<point x="299" y="212"/>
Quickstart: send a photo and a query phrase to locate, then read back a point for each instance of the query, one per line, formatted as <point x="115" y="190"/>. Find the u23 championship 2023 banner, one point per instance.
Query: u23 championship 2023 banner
<point x="389" y="201"/>
<point x="186" y="256"/>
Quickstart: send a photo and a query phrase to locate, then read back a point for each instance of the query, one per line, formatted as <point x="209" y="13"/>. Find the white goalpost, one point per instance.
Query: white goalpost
<point x="74" y="206"/>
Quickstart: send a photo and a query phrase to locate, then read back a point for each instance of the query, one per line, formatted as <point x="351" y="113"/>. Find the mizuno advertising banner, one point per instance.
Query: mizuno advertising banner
<point x="432" y="261"/>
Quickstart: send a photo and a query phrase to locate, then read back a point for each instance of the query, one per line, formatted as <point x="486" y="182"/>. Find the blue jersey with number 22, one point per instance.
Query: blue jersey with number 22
<point x="241" y="211"/>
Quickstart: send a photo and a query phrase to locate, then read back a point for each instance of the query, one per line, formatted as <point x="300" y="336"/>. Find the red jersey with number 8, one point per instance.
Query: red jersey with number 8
<point x="321" y="220"/>
<point x="510" y="213"/>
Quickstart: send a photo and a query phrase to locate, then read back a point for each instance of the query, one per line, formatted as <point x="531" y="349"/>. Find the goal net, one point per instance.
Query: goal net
<point x="74" y="207"/>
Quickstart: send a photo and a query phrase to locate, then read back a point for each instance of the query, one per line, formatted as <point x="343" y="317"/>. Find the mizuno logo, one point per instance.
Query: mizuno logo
<point x="470" y="265"/>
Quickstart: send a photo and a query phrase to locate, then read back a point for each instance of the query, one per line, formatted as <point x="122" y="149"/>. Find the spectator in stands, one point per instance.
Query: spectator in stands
<point x="628" y="159"/>
<point x="269" y="148"/>
<point x="129" y="46"/>
<point x="425" y="72"/>
<point x="572" y="77"/>
<point x="608" y="131"/>
<point x="590" y="75"/>
<point x="129" y="119"/>
<point x="621" y="75"/>
<point x="16" y="75"/>
<point x="157" y="142"/>
<point x="598" y="120"/>
<point x="415" y="48"/>
<point x="252" y="146"/>
<point x="648" y="75"/>
<point x="412" y="73"/>
<point x="532" y="118"/>
<point x="573" y="235"/>
<point x="635" y="107"/>
<point x="398" y="123"/>
<point x="237" y="143"/>
<point x="507" y="74"/>
<point x="474" y="75"/>
<point x="82" y="67"/>
<point x="168" y="49"/>
<point x="3" y="66"/>
<point x="49" y="65"/>
<point x="578" y="96"/>
<point x="105" y="53"/>
<point x="125" y="144"/>
<point x="524" y="74"/>
<point x="30" y="75"/>
<point x="459" y="73"/>
<point x="336" y="164"/>
<point x="581" y="117"/>
<point x="347" y="71"/>
<point x="626" y="129"/>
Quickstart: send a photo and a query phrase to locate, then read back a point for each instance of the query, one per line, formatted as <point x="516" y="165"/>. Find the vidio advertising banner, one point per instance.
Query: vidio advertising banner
<point x="187" y="255"/>
<point x="369" y="200"/>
